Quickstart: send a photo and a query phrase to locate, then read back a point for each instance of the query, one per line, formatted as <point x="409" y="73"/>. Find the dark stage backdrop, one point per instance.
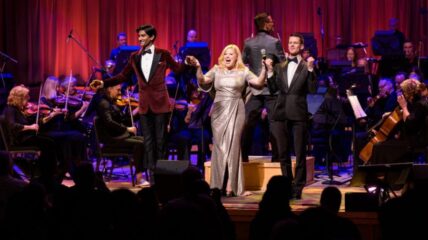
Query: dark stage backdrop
<point x="35" y="31"/>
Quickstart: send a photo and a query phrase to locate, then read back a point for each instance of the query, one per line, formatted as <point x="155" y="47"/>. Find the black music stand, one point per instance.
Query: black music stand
<point x="123" y="57"/>
<point x="378" y="178"/>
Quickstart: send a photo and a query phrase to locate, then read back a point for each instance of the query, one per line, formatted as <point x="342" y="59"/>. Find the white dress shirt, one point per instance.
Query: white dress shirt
<point x="146" y="62"/>
<point x="291" y="69"/>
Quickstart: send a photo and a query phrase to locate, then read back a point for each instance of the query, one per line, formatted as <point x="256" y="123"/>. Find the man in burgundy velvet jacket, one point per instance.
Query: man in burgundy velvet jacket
<point x="149" y="65"/>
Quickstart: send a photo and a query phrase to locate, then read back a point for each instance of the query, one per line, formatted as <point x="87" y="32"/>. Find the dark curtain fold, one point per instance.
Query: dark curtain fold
<point x="35" y="31"/>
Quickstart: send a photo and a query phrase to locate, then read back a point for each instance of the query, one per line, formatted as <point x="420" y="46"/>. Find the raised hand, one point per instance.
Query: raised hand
<point x="310" y="61"/>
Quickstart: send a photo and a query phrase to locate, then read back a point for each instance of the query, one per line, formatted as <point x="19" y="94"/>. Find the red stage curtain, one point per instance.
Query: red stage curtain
<point x="35" y="31"/>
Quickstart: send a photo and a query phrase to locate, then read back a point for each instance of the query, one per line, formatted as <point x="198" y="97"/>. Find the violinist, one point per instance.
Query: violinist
<point x="116" y="129"/>
<point x="25" y="133"/>
<point x="384" y="102"/>
<point x="64" y="127"/>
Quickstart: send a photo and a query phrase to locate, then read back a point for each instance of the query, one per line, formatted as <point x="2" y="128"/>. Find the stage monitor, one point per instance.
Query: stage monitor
<point x="123" y="57"/>
<point x="200" y="51"/>
<point x="386" y="43"/>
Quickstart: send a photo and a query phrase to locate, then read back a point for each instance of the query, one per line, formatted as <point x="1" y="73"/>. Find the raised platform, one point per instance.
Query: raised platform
<point x="260" y="169"/>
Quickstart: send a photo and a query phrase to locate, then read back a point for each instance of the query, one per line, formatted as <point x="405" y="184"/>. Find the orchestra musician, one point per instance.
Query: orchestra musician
<point x="23" y="131"/>
<point x="64" y="125"/>
<point x="116" y="128"/>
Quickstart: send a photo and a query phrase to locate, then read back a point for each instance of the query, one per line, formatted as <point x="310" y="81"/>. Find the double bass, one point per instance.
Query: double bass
<point x="386" y="126"/>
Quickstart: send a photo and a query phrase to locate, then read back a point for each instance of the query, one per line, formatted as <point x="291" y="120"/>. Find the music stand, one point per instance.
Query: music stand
<point x="377" y="177"/>
<point x="200" y="51"/>
<point x="123" y="57"/>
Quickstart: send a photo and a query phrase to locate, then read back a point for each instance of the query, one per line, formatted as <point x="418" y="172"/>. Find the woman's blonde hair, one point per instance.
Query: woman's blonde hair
<point x="410" y="88"/>
<point x="17" y="96"/>
<point x="50" y="87"/>
<point x="239" y="63"/>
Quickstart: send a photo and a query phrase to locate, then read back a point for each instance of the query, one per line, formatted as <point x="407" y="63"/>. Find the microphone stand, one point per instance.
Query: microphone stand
<point x="321" y="29"/>
<point x="6" y="57"/>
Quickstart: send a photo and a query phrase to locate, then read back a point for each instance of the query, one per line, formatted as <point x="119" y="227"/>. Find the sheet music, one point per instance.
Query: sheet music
<point x="356" y="107"/>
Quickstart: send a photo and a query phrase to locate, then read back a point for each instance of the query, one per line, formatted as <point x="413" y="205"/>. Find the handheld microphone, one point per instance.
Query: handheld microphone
<point x="70" y="35"/>
<point x="263" y="52"/>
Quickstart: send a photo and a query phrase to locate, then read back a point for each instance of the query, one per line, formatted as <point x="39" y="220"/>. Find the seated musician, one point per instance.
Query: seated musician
<point x="384" y="102"/>
<point x="64" y="126"/>
<point x="408" y="131"/>
<point x="116" y="130"/>
<point x="378" y="108"/>
<point x="22" y="129"/>
<point x="414" y="105"/>
<point x="191" y="126"/>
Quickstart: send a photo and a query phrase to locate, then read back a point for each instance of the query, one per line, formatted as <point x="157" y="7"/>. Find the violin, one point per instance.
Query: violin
<point x="31" y="109"/>
<point x="387" y="125"/>
<point x="124" y="101"/>
<point x="73" y="101"/>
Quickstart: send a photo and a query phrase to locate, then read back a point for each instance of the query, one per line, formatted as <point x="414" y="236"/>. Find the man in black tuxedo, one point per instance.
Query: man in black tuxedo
<point x="252" y="54"/>
<point x="294" y="79"/>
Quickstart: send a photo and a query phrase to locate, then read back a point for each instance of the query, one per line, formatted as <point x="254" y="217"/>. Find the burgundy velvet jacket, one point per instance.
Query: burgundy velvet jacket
<point x="153" y="92"/>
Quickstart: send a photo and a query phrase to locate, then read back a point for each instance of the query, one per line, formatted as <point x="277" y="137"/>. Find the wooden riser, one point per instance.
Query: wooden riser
<point x="260" y="169"/>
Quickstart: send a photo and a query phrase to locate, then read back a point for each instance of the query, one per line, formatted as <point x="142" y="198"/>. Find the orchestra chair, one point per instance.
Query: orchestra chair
<point x="32" y="153"/>
<point x="106" y="151"/>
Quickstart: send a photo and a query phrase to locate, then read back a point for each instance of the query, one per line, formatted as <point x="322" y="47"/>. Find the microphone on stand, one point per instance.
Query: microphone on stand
<point x="70" y="35"/>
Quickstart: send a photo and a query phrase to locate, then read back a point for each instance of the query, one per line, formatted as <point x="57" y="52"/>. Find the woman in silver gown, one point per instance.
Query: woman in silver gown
<point x="228" y="79"/>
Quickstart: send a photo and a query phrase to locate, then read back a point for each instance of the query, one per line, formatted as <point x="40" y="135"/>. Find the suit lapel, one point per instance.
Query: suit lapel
<point x="284" y="76"/>
<point x="155" y="63"/>
<point x="296" y="74"/>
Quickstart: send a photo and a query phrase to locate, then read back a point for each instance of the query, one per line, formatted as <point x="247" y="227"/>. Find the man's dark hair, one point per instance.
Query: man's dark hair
<point x="260" y="21"/>
<point x="120" y="34"/>
<point x="149" y="29"/>
<point x="300" y="36"/>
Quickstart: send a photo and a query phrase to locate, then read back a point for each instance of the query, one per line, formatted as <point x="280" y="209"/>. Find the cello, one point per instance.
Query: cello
<point x="386" y="126"/>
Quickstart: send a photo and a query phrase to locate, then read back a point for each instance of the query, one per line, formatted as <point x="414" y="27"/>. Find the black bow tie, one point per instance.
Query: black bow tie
<point x="149" y="51"/>
<point x="292" y="60"/>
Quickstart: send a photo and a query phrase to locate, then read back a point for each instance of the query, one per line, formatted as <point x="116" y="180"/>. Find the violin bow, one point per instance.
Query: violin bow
<point x="68" y="92"/>
<point x="38" y="104"/>
<point x="130" y="108"/>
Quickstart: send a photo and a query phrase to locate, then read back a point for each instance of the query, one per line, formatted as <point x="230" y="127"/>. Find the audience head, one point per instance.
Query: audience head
<point x="331" y="199"/>
<point x="278" y="193"/>
<point x="85" y="176"/>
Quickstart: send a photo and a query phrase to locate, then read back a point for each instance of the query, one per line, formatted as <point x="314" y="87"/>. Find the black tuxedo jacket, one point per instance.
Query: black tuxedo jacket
<point x="291" y="103"/>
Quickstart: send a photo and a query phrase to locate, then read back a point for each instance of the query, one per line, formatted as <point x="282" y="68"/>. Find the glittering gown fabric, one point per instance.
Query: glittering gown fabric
<point x="227" y="121"/>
